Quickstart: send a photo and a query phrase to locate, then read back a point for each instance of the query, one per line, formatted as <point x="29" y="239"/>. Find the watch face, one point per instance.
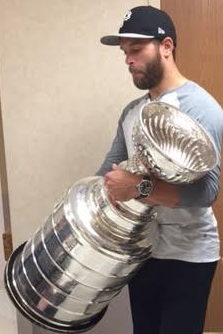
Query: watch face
<point x="145" y="187"/>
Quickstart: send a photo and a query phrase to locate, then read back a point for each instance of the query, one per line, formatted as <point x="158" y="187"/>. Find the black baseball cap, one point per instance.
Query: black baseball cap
<point x="144" y="22"/>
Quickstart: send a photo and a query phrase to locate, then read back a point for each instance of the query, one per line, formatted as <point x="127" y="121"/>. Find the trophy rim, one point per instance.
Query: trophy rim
<point x="17" y="301"/>
<point x="186" y="116"/>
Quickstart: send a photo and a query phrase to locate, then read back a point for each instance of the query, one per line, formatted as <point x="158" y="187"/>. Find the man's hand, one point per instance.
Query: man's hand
<point x="121" y="185"/>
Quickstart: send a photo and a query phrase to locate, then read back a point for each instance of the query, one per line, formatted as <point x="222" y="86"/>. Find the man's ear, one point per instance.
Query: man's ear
<point x="167" y="46"/>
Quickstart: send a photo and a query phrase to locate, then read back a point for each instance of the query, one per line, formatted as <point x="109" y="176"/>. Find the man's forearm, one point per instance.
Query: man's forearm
<point x="164" y="193"/>
<point x="121" y="186"/>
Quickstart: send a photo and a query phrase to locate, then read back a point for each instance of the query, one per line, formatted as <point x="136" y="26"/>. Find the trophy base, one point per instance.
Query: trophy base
<point x="61" y="327"/>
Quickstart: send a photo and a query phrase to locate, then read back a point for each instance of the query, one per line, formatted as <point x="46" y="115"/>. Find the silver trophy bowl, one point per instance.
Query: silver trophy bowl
<point x="172" y="145"/>
<point x="87" y="250"/>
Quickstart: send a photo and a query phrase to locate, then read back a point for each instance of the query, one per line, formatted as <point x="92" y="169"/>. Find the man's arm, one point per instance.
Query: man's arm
<point x="117" y="152"/>
<point x="201" y="193"/>
<point x="121" y="186"/>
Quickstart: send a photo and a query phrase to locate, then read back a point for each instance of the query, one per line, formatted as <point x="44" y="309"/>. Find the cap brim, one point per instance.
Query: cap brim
<point x="115" y="39"/>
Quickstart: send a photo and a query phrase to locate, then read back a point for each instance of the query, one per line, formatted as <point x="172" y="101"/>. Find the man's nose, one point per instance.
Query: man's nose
<point x="129" y="60"/>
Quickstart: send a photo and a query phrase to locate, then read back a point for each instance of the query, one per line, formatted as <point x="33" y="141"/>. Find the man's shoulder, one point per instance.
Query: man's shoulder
<point x="133" y="104"/>
<point x="198" y="96"/>
<point x="198" y="103"/>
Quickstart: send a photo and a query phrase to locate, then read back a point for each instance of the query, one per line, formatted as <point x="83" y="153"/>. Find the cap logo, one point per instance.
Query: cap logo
<point x="161" y="31"/>
<point x="127" y="15"/>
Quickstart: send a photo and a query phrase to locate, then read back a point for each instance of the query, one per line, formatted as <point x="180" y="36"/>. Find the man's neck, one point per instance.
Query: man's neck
<point x="171" y="80"/>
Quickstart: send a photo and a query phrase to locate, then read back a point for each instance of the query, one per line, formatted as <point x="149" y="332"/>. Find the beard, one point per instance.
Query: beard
<point x="150" y="76"/>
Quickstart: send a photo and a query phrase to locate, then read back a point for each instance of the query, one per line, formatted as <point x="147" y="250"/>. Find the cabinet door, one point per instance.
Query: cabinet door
<point x="199" y="56"/>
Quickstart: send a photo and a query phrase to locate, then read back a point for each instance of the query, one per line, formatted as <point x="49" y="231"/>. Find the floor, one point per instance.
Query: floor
<point x="8" y="315"/>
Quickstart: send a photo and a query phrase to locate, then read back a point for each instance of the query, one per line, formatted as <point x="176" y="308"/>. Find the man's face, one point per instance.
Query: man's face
<point x="144" y="61"/>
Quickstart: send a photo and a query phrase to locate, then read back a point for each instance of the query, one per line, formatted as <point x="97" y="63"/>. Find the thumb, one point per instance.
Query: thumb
<point x="115" y="167"/>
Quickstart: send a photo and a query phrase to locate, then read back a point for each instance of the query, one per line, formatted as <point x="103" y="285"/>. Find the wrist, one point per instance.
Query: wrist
<point x="145" y="187"/>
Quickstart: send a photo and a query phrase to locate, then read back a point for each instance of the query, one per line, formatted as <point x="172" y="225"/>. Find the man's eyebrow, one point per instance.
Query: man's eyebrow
<point x="133" y="44"/>
<point x="140" y="42"/>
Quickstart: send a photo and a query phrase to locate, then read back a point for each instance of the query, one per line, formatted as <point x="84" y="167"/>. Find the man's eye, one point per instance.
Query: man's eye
<point x="136" y="49"/>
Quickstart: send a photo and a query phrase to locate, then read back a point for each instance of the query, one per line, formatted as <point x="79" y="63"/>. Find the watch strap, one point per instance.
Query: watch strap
<point x="143" y="193"/>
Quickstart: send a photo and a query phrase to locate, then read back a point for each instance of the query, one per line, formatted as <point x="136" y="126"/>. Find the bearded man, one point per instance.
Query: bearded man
<point x="169" y="294"/>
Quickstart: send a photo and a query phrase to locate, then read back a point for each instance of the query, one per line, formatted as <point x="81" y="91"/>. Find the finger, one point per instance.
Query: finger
<point x="108" y="175"/>
<point x="112" y="200"/>
<point x="115" y="167"/>
<point x="107" y="185"/>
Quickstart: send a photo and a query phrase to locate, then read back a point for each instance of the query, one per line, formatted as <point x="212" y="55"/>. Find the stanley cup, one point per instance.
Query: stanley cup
<point x="87" y="250"/>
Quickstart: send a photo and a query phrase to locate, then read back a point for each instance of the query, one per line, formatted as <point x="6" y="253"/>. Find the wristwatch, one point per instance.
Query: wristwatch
<point x="145" y="187"/>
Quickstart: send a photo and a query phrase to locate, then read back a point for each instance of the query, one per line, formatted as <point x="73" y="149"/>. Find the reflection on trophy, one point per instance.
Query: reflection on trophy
<point x="88" y="249"/>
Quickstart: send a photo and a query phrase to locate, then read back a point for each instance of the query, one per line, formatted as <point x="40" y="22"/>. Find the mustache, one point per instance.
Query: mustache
<point x="132" y="70"/>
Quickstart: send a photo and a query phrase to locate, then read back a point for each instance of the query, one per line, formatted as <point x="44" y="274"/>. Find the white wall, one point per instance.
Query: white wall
<point x="2" y="259"/>
<point x="154" y="3"/>
<point x="62" y="93"/>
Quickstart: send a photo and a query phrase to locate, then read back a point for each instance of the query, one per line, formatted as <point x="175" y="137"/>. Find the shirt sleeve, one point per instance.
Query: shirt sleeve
<point x="203" y="192"/>
<point x="117" y="152"/>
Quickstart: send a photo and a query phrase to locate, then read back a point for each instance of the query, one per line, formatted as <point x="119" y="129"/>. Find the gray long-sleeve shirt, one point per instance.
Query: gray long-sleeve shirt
<point x="189" y="231"/>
